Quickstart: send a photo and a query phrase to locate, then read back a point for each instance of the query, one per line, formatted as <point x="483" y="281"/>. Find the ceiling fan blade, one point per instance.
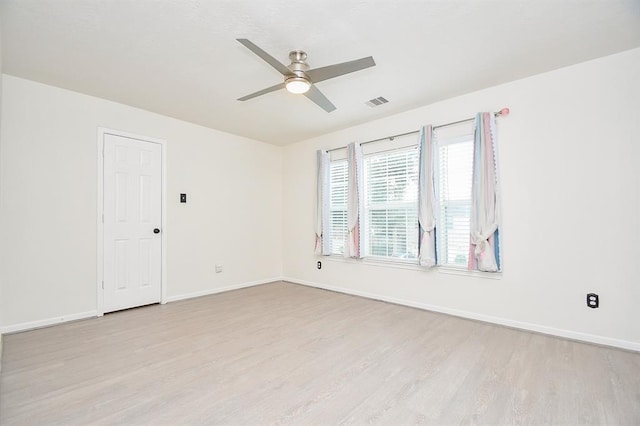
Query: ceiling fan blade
<point x="262" y="92"/>
<point x="265" y="56"/>
<point x="320" y="74"/>
<point x="321" y="100"/>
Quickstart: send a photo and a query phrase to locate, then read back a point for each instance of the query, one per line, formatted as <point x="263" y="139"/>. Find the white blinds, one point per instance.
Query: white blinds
<point x="391" y="188"/>
<point x="454" y="170"/>
<point x="338" y="205"/>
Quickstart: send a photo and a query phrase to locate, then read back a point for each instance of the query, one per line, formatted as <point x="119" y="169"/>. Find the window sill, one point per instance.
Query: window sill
<point x="413" y="266"/>
<point x="383" y="263"/>
<point x="461" y="271"/>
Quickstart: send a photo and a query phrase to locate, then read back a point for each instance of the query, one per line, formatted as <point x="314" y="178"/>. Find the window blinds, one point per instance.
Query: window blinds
<point x="455" y="164"/>
<point x="338" y="205"/>
<point x="391" y="187"/>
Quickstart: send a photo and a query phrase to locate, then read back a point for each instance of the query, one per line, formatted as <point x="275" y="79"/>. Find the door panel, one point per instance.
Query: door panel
<point x="132" y="210"/>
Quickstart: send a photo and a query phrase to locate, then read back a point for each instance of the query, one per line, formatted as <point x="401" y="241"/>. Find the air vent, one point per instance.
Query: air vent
<point x="376" y="102"/>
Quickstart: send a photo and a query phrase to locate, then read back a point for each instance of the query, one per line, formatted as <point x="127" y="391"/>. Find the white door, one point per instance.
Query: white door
<point x="132" y="219"/>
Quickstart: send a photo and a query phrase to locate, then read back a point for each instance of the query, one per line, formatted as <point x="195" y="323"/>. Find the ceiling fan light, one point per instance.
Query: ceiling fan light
<point x="297" y="85"/>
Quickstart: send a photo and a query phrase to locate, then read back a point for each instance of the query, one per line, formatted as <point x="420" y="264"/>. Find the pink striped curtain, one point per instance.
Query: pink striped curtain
<point x="355" y="201"/>
<point x="427" y="200"/>
<point x="484" y="253"/>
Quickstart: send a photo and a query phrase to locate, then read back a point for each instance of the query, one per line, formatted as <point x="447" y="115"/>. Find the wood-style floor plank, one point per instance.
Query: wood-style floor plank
<point x="287" y="354"/>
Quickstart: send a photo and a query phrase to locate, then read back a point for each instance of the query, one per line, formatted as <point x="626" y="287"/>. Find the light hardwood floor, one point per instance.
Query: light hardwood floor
<point x="283" y="353"/>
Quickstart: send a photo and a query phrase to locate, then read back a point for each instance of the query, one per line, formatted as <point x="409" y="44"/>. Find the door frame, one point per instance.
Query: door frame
<point x="102" y="131"/>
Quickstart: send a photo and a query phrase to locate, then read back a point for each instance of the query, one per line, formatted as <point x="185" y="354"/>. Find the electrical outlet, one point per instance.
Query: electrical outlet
<point x="218" y="268"/>
<point x="319" y="265"/>
<point x="593" y="300"/>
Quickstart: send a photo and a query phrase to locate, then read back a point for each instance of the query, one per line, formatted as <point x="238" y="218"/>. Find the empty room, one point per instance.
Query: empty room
<point x="319" y="212"/>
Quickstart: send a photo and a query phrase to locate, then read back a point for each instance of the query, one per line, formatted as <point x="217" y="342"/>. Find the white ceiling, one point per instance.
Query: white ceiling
<point x="180" y="57"/>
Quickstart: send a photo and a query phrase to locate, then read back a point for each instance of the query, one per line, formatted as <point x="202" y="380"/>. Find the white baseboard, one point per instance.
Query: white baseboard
<point x="47" y="322"/>
<point x="569" y="334"/>
<point x="82" y="315"/>
<point x="221" y="289"/>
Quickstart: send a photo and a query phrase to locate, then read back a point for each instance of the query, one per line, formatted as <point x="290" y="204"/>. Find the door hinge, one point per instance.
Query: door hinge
<point x="103" y="285"/>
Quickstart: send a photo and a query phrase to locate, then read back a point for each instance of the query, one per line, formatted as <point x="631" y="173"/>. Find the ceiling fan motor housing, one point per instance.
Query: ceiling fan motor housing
<point x="298" y="64"/>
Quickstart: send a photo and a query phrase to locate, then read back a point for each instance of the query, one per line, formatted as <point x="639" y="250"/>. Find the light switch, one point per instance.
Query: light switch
<point x="183" y="198"/>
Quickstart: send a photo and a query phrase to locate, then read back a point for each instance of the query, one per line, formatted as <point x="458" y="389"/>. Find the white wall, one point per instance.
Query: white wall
<point x="570" y="157"/>
<point x="48" y="203"/>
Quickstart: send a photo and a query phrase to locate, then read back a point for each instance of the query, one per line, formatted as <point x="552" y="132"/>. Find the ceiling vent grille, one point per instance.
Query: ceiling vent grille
<point x="376" y="102"/>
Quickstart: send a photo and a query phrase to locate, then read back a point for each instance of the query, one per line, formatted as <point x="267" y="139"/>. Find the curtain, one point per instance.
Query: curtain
<point x="427" y="200"/>
<point x="485" y="200"/>
<point x="355" y="201"/>
<point x="323" y="240"/>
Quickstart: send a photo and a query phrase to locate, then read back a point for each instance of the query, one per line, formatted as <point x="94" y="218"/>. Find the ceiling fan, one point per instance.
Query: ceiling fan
<point x="299" y="79"/>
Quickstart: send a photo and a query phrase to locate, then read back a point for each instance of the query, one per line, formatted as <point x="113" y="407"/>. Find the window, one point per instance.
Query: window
<point x="453" y="177"/>
<point x="389" y="225"/>
<point x="391" y="204"/>
<point x="338" y="182"/>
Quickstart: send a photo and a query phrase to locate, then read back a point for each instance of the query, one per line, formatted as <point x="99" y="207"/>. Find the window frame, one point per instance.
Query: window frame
<point x="467" y="138"/>
<point x="332" y="206"/>
<point x="386" y="206"/>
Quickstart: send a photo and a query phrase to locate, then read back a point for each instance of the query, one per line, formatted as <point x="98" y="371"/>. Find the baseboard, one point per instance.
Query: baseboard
<point x="82" y="315"/>
<point x="46" y="322"/>
<point x="568" y="334"/>
<point x="221" y="289"/>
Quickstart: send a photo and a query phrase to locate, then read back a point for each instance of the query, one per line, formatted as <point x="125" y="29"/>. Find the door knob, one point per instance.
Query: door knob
<point x="156" y="231"/>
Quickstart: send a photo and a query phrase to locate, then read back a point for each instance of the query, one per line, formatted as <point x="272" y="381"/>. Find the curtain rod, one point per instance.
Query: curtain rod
<point x="503" y="111"/>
